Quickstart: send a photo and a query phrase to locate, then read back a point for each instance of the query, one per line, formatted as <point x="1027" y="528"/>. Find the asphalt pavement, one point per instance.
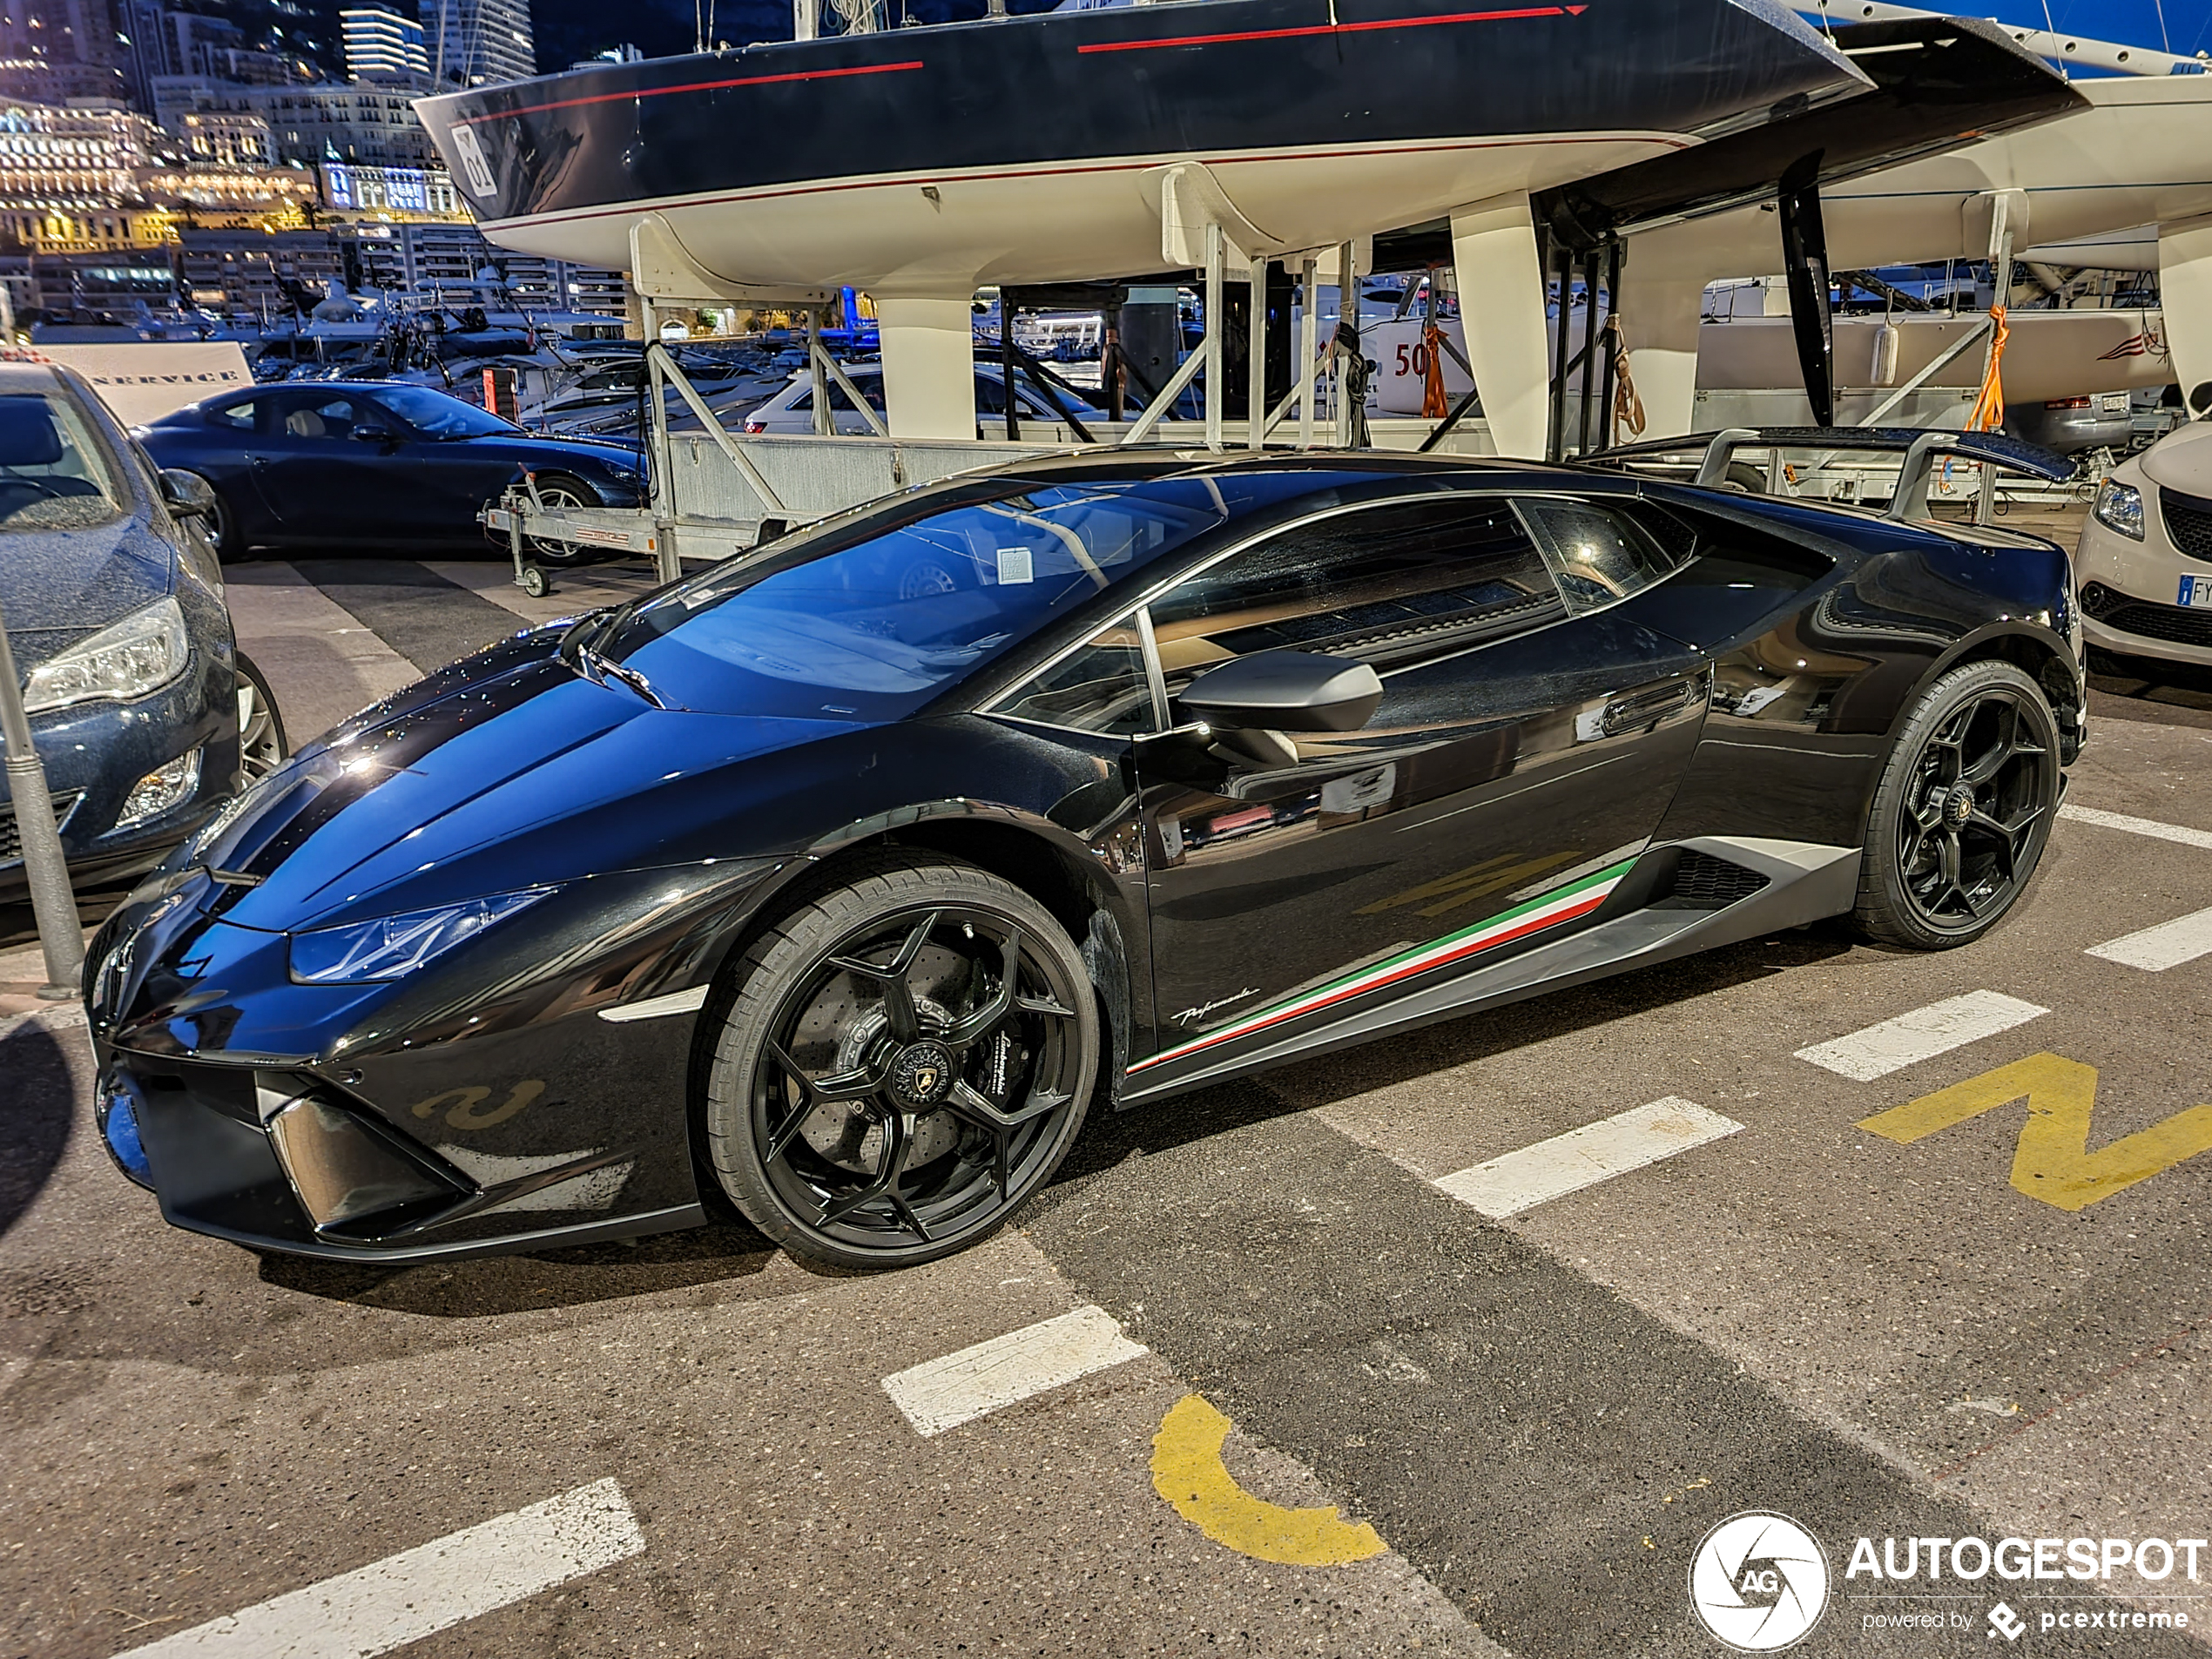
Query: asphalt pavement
<point x="1356" y="1358"/>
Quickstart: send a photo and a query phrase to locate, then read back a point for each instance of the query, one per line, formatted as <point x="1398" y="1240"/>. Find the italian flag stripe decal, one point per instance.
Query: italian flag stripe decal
<point x="1552" y="909"/>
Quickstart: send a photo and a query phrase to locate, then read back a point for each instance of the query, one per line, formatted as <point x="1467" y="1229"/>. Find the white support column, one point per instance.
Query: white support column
<point x="818" y="401"/>
<point x="928" y="366"/>
<point x="1215" y="321"/>
<point x="1308" y="346"/>
<point x="1500" y="283"/>
<point x="1659" y="323"/>
<point x="2185" y="296"/>
<point x="1256" y="367"/>
<point x="1348" y="309"/>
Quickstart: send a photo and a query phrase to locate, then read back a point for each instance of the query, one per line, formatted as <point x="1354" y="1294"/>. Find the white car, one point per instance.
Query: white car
<point x="791" y="410"/>
<point x="2145" y="560"/>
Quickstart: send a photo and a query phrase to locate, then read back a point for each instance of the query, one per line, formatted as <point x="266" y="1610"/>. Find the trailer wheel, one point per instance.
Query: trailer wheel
<point x="536" y="583"/>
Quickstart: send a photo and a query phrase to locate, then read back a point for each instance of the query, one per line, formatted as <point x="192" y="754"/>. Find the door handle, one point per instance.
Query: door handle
<point x="1642" y="708"/>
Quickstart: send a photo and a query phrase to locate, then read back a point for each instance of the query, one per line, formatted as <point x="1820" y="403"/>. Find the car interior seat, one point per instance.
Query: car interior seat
<point x="30" y="439"/>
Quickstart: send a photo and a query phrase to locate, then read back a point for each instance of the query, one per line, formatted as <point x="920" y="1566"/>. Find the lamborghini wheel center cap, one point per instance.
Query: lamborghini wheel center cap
<point x="923" y="1075"/>
<point x="1958" y="806"/>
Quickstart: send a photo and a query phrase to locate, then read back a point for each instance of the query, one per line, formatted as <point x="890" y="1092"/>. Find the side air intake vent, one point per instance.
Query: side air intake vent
<point x="1703" y="882"/>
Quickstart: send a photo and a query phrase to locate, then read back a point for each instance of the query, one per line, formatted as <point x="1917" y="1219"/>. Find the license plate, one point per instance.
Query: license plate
<point x="2196" y="590"/>
<point x="2112" y="402"/>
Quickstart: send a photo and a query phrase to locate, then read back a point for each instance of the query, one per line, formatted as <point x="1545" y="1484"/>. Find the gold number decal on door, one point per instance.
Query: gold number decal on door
<point x="2054" y="1162"/>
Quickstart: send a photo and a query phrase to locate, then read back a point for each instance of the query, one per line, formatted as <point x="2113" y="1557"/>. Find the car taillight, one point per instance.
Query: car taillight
<point x="756" y="426"/>
<point x="2068" y="403"/>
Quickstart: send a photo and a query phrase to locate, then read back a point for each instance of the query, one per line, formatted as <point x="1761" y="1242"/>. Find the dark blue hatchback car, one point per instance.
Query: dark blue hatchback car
<point x="144" y="713"/>
<point x="336" y="463"/>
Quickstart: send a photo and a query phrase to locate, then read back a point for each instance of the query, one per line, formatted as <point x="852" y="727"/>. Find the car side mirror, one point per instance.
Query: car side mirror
<point x="1284" y="690"/>
<point x="187" y="495"/>
<point x="363" y="434"/>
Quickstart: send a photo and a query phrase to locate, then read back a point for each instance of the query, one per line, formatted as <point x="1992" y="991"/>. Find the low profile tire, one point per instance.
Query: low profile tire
<point x="908" y="1058"/>
<point x="1963" y="811"/>
<point x="262" y="745"/>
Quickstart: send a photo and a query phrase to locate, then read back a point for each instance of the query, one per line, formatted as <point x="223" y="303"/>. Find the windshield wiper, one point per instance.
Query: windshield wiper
<point x="601" y="671"/>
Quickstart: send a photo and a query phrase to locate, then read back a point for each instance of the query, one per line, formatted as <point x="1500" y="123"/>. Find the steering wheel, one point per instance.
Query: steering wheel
<point x="38" y="484"/>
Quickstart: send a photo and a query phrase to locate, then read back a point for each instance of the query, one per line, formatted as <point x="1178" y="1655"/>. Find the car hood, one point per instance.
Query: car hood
<point x="2182" y="459"/>
<point x="57" y="585"/>
<point x="507" y="770"/>
<point x="539" y="450"/>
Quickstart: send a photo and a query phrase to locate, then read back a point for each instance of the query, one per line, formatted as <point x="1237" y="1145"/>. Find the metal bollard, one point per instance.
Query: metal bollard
<point x="60" y="934"/>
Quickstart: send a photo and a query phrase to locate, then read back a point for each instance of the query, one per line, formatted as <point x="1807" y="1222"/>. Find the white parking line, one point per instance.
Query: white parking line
<point x="2155" y="949"/>
<point x="410" y="1595"/>
<point x="2149" y="827"/>
<point x="943" y="1393"/>
<point x="1583" y="1157"/>
<point x="1921" y="1034"/>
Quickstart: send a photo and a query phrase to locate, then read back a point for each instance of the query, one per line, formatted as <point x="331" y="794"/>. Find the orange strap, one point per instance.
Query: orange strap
<point x="1628" y="406"/>
<point x="1989" y="407"/>
<point x="1434" y="405"/>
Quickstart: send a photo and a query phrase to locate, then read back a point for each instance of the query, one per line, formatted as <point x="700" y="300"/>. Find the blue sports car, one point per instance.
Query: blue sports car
<point x="345" y="463"/>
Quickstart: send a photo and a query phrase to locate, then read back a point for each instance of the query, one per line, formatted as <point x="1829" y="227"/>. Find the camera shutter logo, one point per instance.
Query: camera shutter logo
<point x="1759" y="1582"/>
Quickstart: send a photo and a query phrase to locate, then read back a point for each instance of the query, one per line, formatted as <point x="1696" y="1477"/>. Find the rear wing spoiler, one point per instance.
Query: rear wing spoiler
<point x="1919" y="449"/>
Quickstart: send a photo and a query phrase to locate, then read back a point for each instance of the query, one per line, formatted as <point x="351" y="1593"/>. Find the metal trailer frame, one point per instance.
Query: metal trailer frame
<point x="700" y="510"/>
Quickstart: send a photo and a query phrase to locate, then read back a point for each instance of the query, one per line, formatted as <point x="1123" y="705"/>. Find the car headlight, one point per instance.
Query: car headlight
<point x="161" y="790"/>
<point x="392" y="946"/>
<point x="137" y="655"/>
<point x="2120" y="506"/>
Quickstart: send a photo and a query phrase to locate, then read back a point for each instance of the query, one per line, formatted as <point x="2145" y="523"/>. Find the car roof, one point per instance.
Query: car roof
<point x="29" y="377"/>
<point x="1118" y="465"/>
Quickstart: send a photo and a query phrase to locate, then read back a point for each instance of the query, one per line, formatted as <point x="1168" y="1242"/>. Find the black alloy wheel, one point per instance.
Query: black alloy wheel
<point x="262" y="745"/>
<point x="1963" y="811"/>
<point x="907" y="1059"/>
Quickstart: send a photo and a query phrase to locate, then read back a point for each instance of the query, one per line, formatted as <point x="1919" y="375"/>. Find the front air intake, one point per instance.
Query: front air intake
<point x="355" y="1177"/>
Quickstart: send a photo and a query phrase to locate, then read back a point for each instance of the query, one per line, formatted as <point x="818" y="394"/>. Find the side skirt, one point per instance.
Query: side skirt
<point x="1641" y="924"/>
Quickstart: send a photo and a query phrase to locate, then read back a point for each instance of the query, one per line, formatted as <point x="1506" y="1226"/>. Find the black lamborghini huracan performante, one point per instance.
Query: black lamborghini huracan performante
<point x="843" y="880"/>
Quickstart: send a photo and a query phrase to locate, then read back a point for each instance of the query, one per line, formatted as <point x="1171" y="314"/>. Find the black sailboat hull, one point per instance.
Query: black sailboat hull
<point x="1031" y="148"/>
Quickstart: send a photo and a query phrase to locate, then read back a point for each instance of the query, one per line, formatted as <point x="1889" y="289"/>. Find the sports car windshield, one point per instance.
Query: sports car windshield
<point x="440" y="416"/>
<point x="870" y="616"/>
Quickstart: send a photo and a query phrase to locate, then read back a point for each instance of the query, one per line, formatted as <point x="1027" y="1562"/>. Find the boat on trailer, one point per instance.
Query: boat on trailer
<point x="921" y="163"/>
<point x="1122" y="141"/>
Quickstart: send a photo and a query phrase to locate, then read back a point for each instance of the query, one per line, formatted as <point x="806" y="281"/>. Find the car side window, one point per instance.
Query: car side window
<point x="1102" y="687"/>
<point x="1600" y="556"/>
<point x="323" y="417"/>
<point x="1382" y="584"/>
<point x="234" y="417"/>
<point x="840" y="400"/>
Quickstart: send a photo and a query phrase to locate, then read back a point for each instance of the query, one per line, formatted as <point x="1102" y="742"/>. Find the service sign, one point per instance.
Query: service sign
<point x="141" y="381"/>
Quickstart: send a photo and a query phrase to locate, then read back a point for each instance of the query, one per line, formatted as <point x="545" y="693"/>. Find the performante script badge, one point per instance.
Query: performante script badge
<point x="923" y="1076"/>
<point x="1759" y="1582"/>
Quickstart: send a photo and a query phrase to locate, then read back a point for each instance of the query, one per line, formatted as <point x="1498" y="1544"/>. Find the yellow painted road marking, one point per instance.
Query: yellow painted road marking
<point x="1188" y="1471"/>
<point x="2053" y="1161"/>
